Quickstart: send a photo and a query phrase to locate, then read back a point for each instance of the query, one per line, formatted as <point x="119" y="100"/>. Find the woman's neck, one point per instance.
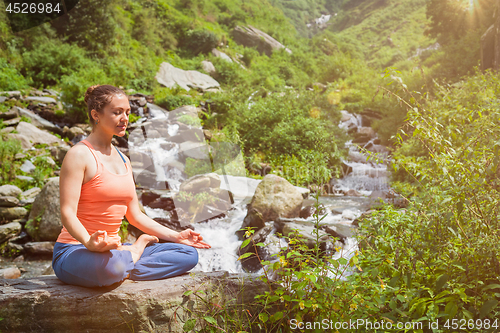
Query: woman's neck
<point x="100" y="141"/>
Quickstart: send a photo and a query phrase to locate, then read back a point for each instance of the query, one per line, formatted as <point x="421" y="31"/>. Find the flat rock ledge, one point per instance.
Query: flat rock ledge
<point x="45" y="304"/>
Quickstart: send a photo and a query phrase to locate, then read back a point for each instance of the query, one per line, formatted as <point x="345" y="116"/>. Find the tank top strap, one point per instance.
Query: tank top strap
<point x="92" y="150"/>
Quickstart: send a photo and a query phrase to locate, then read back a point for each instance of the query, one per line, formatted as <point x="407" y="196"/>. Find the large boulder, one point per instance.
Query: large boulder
<point x="275" y="197"/>
<point x="46" y="304"/>
<point x="36" y="135"/>
<point x="171" y="76"/>
<point x="45" y="217"/>
<point x="39" y="121"/>
<point x="196" y="183"/>
<point x="253" y="37"/>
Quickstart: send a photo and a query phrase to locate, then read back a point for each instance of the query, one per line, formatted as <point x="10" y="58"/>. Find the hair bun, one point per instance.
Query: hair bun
<point x="88" y="94"/>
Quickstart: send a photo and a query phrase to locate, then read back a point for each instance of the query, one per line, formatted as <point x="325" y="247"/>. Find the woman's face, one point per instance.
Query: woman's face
<point x="114" y="116"/>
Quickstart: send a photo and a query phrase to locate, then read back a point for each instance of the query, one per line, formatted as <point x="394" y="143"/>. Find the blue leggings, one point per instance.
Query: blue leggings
<point x="76" y="265"/>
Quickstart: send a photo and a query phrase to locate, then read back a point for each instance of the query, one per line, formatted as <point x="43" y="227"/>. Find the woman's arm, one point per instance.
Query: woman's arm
<point x="70" y="185"/>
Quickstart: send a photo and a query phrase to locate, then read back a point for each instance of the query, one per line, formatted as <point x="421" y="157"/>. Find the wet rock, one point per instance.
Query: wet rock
<point x="46" y="304"/>
<point x="254" y="220"/>
<point x="164" y="203"/>
<point x="275" y="197"/>
<point x="9" y="230"/>
<point x="353" y="193"/>
<point x="196" y="150"/>
<point x="305" y="230"/>
<point x="196" y="183"/>
<point x="309" y="210"/>
<point x="145" y="178"/>
<point x="10" y="273"/>
<point x="8" y="201"/>
<point x="253" y="37"/>
<point x="39" y="248"/>
<point x="45" y="217"/>
<point x="173" y="224"/>
<point x="332" y="232"/>
<point x="194" y="135"/>
<point x="149" y="196"/>
<point x="10" y="191"/>
<point x="18" y="259"/>
<point x="170" y="76"/>
<point x="12" y="213"/>
<point x="346" y="168"/>
<point x="367" y="131"/>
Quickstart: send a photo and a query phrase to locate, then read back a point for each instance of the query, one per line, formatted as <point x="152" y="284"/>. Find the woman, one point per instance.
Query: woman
<point x="97" y="190"/>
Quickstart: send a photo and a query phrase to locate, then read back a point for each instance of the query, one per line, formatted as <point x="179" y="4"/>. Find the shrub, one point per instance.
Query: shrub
<point x="10" y="78"/>
<point x="50" y="59"/>
<point x="74" y="86"/>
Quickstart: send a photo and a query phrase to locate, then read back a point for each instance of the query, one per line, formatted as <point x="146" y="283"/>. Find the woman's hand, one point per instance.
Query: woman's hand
<point x="99" y="242"/>
<point x="191" y="238"/>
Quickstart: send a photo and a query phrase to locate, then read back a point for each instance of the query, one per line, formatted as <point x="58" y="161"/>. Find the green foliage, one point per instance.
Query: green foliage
<point x="10" y="78"/>
<point x="123" y="232"/>
<point x="442" y="253"/>
<point x="290" y="122"/>
<point x="8" y="149"/>
<point x="50" y="59"/>
<point x="199" y="41"/>
<point x="74" y="86"/>
<point x="90" y="24"/>
<point x="171" y="99"/>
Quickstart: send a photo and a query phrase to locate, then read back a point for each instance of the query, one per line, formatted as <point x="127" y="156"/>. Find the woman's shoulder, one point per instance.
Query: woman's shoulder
<point x="78" y="154"/>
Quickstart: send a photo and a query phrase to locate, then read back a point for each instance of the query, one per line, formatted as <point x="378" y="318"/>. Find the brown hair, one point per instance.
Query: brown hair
<point x="98" y="96"/>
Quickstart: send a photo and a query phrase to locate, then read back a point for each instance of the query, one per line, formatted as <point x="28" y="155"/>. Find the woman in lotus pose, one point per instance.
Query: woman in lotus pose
<point x="97" y="189"/>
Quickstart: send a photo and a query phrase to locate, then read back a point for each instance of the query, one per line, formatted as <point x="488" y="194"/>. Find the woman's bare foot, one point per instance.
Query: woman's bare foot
<point x="138" y="247"/>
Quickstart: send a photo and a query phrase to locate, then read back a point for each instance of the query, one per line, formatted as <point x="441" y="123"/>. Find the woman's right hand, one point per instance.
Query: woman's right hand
<point x="99" y="242"/>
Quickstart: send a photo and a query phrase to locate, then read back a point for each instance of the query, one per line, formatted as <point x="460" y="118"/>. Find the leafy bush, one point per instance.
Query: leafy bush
<point x="8" y="149"/>
<point x="443" y="252"/>
<point x="10" y="78"/>
<point x="199" y="41"/>
<point x="74" y="86"/>
<point x="49" y="60"/>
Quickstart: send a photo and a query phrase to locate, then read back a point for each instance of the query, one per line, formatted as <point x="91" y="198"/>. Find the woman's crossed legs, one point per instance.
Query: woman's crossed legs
<point x="75" y="264"/>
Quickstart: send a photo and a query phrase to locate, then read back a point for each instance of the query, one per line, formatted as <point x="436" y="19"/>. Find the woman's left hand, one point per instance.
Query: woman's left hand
<point x="191" y="238"/>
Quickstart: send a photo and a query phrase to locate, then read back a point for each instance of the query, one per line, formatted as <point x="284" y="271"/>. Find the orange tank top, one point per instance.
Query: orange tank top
<point x="103" y="201"/>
